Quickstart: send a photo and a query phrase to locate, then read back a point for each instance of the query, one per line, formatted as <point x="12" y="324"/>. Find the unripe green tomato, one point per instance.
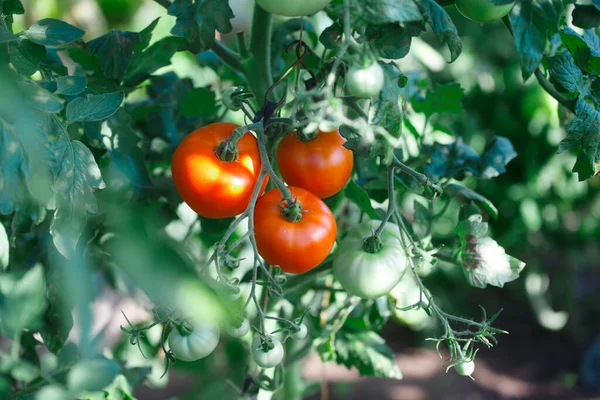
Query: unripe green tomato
<point x="202" y="341"/>
<point x="228" y="101"/>
<point x="482" y="10"/>
<point x="301" y="334"/>
<point x="293" y="8"/>
<point x="239" y="331"/>
<point x="465" y="368"/>
<point x="270" y="358"/>
<point x="365" y="82"/>
<point x="369" y="275"/>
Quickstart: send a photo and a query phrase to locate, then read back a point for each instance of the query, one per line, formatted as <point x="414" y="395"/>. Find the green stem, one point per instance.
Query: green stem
<point x="421" y="178"/>
<point x="229" y="57"/>
<point x="242" y="46"/>
<point x="292" y="375"/>
<point x="264" y="157"/>
<point x="259" y="75"/>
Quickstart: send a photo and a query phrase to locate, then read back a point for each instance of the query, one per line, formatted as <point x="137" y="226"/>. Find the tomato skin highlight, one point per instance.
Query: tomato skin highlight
<point x="482" y="10"/>
<point x="322" y="166"/>
<point x="211" y="187"/>
<point x="369" y="275"/>
<point x="295" y="246"/>
<point x="293" y="8"/>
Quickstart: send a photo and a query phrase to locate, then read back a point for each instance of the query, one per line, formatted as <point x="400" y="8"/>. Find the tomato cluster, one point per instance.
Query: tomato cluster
<point x="218" y="184"/>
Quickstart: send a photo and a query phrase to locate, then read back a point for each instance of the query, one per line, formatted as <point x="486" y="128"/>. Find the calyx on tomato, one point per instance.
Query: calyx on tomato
<point x="228" y="152"/>
<point x="364" y="272"/>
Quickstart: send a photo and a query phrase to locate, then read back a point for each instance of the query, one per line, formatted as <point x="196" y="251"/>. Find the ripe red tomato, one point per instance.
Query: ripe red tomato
<point x="322" y="165"/>
<point x="212" y="187"/>
<point x="295" y="246"/>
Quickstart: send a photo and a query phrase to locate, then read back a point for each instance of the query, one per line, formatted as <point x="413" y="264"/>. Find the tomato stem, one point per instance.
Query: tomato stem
<point x="184" y="329"/>
<point x="372" y="244"/>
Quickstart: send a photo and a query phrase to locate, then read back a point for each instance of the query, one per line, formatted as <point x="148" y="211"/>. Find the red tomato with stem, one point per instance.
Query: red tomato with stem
<point x="321" y="165"/>
<point x="295" y="246"/>
<point x="210" y="186"/>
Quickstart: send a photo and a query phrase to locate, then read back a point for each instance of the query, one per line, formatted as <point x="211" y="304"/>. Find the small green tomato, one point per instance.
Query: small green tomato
<point x="465" y="368"/>
<point x="365" y="82"/>
<point x="202" y="340"/>
<point x="482" y="10"/>
<point x="267" y="358"/>
<point x="239" y="331"/>
<point x="301" y="334"/>
<point x="293" y="8"/>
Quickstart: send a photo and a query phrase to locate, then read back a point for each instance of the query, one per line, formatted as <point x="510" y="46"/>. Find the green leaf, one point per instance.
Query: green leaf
<point x="359" y="197"/>
<point x="484" y="261"/>
<point x="4" y="248"/>
<point x="76" y="178"/>
<point x="368" y="353"/>
<point x="584" y="49"/>
<point x="565" y="72"/>
<point x="6" y="35"/>
<point x="156" y="56"/>
<point x="387" y="11"/>
<point x="52" y="392"/>
<point x="389" y="112"/>
<point x="23" y="301"/>
<point x="583" y="133"/>
<point x="115" y="51"/>
<point x="198" y="102"/>
<point x="39" y="98"/>
<point x="530" y="42"/>
<point x="71" y="85"/>
<point x="121" y="140"/>
<point x="92" y="375"/>
<point x="391" y="40"/>
<point x="441" y="99"/>
<point x="53" y="33"/>
<point x="455" y="189"/>
<point x="10" y="7"/>
<point x="197" y="23"/>
<point x="58" y="318"/>
<point x="94" y="107"/>
<point x="498" y="153"/>
<point x="586" y="16"/>
<point x="442" y="25"/>
<point x="26" y="55"/>
<point x="332" y="36"/>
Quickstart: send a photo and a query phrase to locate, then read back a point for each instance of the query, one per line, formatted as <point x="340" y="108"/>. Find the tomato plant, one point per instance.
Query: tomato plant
<point x="298" y="239"/>
<point x="367" y="263"/>
<point x="210" y="183"/>
<point x="482" y="10"/>
<point x="302" y="161"/>
<point x="275" y="177"/>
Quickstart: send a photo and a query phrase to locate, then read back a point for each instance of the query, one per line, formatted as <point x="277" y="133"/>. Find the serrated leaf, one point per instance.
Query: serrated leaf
<point x="94" y="107"/>
<point x="156" y="56"/>
<point x="584" y="49"/>
<point x="565" y="72"/>
<point x="454" y="189"/>
<point x="368" y="353"/>
<point x="441" y="99"/>
<point x="197" y="23"/>
<point x="23" y="301"/>
<point x="115" y="51"/>
<point x="442" y="25"/>
<point x="71" y="85"/>
<point x="77" y="176"/>
<point x="53" y="33"/>
<point x="26" y="55"/>
<point x="359" y="197"/>
<point x="331" y="37"/>
<point x="4" y="248"/>
<point x="530" y="42"/>
<point x="583" y="133"/>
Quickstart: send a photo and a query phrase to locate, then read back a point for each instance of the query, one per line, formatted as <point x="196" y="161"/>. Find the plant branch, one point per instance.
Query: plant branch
<point x="551" y="90"/>
<point x="259" y="75"/>
<point x="229" y="57"/>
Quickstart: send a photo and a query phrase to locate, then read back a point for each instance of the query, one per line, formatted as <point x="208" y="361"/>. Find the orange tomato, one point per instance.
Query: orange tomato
<point x="212" y="187"/>
<point x="322" y="165"/>
<point x="295" y="246"/>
